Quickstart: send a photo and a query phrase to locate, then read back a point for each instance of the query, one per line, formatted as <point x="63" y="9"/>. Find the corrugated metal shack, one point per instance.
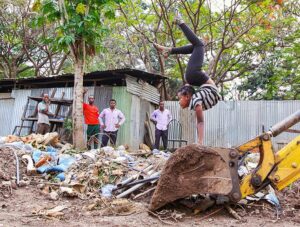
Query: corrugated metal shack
<point x="135" y="91"/>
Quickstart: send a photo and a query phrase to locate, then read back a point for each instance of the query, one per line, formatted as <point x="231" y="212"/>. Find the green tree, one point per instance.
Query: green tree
<point x="79" y="29"/>
<point x="277" y="75"/>
<point x="22" y="54"/>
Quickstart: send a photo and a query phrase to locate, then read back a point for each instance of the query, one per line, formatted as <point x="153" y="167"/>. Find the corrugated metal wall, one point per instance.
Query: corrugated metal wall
<point x="102" y="97"/>
<point x="6" y="107"/>
<point x="139" y="109"/>
<point x="186" y="118"/>
<point x="124" y="102"/>
<point x="20" y="97"/>
<point x="142" y="89"/>
<point x="227" y="124"/>
<point x="234" y="122"/>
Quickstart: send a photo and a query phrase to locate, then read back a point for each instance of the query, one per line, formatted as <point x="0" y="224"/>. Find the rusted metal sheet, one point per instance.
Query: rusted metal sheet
<point x="142" y="89"/>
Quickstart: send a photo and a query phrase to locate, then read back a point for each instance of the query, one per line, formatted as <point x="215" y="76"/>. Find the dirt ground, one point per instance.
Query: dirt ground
<point x="19" y="209"/>
<point x="27" y="206"/>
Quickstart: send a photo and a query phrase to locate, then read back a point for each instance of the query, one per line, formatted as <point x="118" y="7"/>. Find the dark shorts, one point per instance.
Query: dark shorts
<point x="42" y="128"/>
<point x="92" y="130"/>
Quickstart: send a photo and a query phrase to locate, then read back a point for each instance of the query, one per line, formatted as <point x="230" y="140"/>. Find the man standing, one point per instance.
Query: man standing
<point x="111" y="119"/>
<point x="43" y="124"/>
<point x="91" y="118"/>
<point x="161" y="118"/>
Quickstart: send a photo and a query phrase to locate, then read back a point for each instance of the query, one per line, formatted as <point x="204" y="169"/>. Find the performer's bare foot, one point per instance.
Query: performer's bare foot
<point x="165" y="51"/>
<point x="178" y="18"/>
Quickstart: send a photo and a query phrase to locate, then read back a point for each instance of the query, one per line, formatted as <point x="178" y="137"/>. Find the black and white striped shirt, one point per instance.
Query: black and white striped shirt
<point x="207" y="96"/>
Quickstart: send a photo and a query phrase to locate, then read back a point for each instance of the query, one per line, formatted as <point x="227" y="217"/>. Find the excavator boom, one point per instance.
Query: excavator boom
<point x="196" y="169"/>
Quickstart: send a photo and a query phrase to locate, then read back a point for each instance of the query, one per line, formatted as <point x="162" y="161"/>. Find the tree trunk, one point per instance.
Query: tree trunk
<point x="78" y="138"/>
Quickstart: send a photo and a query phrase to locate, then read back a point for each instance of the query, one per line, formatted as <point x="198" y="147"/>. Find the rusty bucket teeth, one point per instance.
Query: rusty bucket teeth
<point x="193" y="169"/>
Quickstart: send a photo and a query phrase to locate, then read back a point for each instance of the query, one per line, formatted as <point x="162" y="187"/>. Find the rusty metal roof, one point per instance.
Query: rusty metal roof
<point x="115" y="77"/>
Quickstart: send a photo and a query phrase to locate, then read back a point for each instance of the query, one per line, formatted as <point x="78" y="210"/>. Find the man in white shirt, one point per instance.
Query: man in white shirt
<point x="43" y="124"/>
<point x="110" y="120"/>
<point x="161" y="118"/>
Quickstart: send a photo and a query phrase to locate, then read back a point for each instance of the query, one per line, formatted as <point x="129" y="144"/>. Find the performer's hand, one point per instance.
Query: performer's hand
<point x="103" y="126"/>
<point x="117" y="125"/>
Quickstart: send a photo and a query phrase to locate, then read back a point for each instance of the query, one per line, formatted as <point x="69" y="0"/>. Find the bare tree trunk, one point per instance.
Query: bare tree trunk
<point x="78" y="138"/>
<point x="14" y="70"/>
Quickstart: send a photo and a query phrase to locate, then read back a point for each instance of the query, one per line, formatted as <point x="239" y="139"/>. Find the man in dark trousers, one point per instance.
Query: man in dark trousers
<point x="161" y="118"/>
<point x="91" y="118"/>
<point x="111" y="120"/>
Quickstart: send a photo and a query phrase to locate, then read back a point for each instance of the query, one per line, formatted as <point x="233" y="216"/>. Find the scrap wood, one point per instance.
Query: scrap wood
<point x="119" y="207"/>
<point x="144" y="147"/>
<point x="51" y="138"/>
<point x="141" y="153"/>
<point x="151" y="127"/>
<point x="211" y="214"/>
<point x="54" y="212"/>
<point x="233" y="213"/>
<point x="159" y="218"/>
<point x="144" y="193"/>
<point x="167" y="214"/>
<point x="76" y="186"/>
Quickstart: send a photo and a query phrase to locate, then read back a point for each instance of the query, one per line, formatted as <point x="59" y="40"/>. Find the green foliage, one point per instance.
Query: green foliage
<point x="78" y="24"/>
<point x="68" y="126"/>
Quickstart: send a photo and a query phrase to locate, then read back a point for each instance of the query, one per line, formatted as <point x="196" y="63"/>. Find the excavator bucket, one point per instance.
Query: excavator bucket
<point x="196" y="169"/>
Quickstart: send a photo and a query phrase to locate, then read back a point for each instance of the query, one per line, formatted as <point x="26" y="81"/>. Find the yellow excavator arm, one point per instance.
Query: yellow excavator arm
<point x="281" y="168"/>
<point x="287" y="165"/>
<point x="196" y="169"/>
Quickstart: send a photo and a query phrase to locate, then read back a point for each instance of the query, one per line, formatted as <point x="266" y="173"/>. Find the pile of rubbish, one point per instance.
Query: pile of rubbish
<point x="58" y="170"/>
<point x="101" y="175"/>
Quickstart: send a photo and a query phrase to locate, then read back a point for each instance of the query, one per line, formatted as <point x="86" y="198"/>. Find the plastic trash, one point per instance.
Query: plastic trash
<point x="43" y="160"/>
<point x="272" y="198"/>
<point x="51" y="149"/>
<point x="121" y="148"/>
<point x="61" y="176"/>
<point x="120" y="159"/>
<point x="164" y="154"/>
<point x="18" y="145"/>
<point x="78" y="157"/>
<point x="28" y="148"/>
<point x="37" y="155"/>
<point x="242" y="171"/>
<point x="107" y="149"/>
<point x="65" y="161"/>
<point x="2" y="140"/>
<point x="106" y="190"/>
<point x="90" y="154"/>
<point x="155" y="152"/>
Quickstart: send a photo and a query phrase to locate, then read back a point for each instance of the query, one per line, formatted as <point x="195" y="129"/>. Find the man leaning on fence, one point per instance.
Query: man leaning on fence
<point x="43" y="124"/>
<point x="91" y="118"/>
<point x="161" y="118"/>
